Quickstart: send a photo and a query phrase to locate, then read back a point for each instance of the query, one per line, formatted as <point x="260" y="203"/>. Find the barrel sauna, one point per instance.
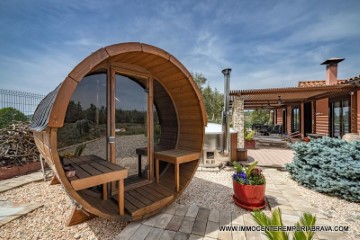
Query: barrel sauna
<point x="123" y="132"/>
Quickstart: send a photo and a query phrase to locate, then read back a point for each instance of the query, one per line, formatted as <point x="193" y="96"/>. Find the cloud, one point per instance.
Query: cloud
<point x="328" y="28"/>
<point x="84" y="42"/>
<point x="36" y="72"/>
<point x="266" y="43"/>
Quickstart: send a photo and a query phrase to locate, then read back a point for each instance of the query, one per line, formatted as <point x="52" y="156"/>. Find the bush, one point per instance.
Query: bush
<point x="328" y="165"/>
<point x="7" y="115"/>
<point x="249" y="135"/>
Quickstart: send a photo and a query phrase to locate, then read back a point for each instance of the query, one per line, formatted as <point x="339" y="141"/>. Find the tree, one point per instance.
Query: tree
<point x="74" y="112"/>
<point x="200" y="79"/>
<point x="9" y="114"/>
<point x="260" y="116"/>
<point x="213" y="99"/>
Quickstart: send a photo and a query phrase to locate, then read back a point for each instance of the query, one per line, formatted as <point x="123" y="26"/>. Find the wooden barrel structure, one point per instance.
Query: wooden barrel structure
<point x="123" y="132"/>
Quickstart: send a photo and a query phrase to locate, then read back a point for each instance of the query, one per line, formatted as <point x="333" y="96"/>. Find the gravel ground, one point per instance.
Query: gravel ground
<point x="49" y="221"/>
<point x="212" y="189"/>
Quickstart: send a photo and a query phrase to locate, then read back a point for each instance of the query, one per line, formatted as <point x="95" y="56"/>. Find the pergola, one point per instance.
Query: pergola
<point x="283" y="98"/>
<point x="273" y="98"/>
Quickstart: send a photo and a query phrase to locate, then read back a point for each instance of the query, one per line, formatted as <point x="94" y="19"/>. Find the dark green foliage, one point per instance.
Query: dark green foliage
<point x="7" y="115"/>
<point x="213" y="99"/>
<point x="328" y="165"/>
<point x="260" y="116"/>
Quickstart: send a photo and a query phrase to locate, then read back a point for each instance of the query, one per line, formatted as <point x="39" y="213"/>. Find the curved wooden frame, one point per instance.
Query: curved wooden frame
<point x="144" y="61"/>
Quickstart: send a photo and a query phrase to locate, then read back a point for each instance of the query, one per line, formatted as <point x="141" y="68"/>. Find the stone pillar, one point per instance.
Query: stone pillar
<point x="239" y="120"/>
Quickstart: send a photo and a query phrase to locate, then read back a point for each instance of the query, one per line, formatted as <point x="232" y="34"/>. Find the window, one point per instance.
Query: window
<point x="86" y="119"/>
<point x="295" y="119"/>
<point x="340" y="117"/>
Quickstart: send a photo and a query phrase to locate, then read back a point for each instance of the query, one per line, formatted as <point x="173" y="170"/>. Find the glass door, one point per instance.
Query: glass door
<point x="345" y="116"/>
<point x="130" y="125"/>
<point x="340" y="117"/>
<point x="130" y="121"/>
<point x="336" y="110"/>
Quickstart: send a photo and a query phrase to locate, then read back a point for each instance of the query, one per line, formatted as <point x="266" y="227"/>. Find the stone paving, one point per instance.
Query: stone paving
<point x="195" y="222"/>
<point x="11" y="183"/>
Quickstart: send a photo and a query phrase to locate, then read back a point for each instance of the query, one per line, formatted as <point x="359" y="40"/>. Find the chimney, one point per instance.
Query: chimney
<point x="225" y="115"/>
<point x="331" y="70"/>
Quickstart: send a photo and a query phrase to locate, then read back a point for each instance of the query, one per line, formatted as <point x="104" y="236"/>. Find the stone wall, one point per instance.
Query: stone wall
<point x="239" y="120"/>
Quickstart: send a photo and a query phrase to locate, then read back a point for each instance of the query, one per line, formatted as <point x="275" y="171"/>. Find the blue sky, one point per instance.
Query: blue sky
<point x="266" y="43"/>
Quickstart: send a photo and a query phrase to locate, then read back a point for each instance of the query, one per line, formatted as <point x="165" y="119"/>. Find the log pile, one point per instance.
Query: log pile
<point x="17" y="145"/>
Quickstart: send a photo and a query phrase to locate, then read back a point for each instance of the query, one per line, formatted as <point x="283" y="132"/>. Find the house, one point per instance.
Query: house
<point x="328" y="107"/>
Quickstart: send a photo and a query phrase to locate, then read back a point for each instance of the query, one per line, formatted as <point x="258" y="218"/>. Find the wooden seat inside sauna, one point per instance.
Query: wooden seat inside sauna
<point x="135" y="201"/>
<point x="176" y="157"/>
<point x="92" y="171"/>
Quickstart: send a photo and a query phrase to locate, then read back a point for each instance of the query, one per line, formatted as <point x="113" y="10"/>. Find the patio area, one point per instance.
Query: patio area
<point x="196" y="214"/>
<point x="270" y="157"/>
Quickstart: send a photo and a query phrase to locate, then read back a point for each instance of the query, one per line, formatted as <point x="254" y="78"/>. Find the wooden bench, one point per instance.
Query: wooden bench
<point x="92" y="171"/>
<point x="176" y="157"/>
<point x="143" y="152"/>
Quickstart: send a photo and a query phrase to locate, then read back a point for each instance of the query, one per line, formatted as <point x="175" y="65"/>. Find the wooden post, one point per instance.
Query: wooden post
<point x="313" y="103"/>
<point x="354" y="113"/>
<point x="177" y="177"/>
<point x="302" y="119"/>
<point x="105" y="192"/>
<point x="288" y="119"/>
<point x="233" y="146"/>
<point x="358" y="110"/>
<point x="157" y="170"/>
<point x="121" y="197"/>
<point x="150" y="127"/>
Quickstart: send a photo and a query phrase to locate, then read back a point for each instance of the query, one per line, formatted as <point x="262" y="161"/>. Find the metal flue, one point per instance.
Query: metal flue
<point x="225" y="113"/>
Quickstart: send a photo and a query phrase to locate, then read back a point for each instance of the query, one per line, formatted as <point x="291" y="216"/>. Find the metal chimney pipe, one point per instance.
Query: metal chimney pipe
<point x="225" y="113"/>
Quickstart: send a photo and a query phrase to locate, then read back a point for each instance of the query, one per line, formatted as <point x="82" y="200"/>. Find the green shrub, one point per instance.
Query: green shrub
<point x="328" y="165"/>
<point x="249" y="134"/>
<point x="7" y="115"/>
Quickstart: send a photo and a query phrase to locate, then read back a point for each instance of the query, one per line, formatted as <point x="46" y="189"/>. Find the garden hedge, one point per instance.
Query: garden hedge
<point x="328" y="165"/>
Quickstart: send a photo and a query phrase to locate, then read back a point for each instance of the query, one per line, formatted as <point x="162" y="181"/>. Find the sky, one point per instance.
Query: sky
<point x="266" y="43"/>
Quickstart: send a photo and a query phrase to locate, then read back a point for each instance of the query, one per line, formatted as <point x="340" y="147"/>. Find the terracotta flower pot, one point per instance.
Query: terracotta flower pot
<point x="250" y="144"/>
<point x="249" y="197"/>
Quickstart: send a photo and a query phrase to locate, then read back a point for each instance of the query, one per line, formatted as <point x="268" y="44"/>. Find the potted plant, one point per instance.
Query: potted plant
<point x="275" y="220"/>
<point x="249" y="186"/>
<point x="249" y="139"/>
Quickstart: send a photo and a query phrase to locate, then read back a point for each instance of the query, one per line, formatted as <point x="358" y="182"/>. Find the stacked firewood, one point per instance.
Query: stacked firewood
<point x="17" y="145"/>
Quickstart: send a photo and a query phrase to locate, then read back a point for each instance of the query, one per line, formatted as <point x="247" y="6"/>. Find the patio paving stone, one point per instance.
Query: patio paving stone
<point x="154" y="234"/>
<point x="192" y="211"/>
<point x="187" y="225"/>
<point x="163" y="220"/>
<point x="196" y="222"/>
<point x="212" y="229"/>
<point x="195" y="237"/>
<point x="203" y="214"/>
<point x="214" y="215"/>
<point x="174" y="223"/>
<point x="199" y="227"/>
<point x="181" y="210"/>
<point x="168" y="235"/>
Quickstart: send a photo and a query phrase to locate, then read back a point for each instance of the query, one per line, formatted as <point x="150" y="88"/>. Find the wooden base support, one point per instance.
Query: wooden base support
<point x="54" y="180"/>
<point x="79" y="216"/>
